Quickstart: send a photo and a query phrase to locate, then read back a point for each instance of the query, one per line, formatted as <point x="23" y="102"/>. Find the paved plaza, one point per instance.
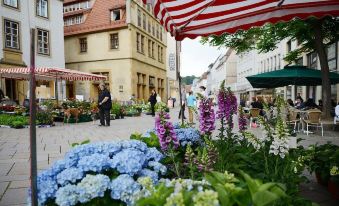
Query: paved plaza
<point x="54" y="142"/>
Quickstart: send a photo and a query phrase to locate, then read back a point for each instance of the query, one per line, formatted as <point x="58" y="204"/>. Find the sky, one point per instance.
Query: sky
<point x="196" y="57"/>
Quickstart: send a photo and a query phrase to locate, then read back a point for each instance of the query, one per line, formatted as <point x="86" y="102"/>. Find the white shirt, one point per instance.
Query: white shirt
<point x="337" y="110"/>
<point x="158" y="98"/>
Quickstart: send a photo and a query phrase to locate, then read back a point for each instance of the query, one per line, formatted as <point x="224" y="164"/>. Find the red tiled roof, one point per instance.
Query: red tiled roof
<point x="98" y="18"/>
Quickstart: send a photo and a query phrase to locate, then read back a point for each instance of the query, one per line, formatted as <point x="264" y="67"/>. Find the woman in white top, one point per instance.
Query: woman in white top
<point x="158" y="98"/>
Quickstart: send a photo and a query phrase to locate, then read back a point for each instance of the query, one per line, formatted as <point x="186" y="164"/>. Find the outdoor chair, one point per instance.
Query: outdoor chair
<point x="293" y="120"/>
<point x="254" y="115"/>
<point x="314" y="121"/>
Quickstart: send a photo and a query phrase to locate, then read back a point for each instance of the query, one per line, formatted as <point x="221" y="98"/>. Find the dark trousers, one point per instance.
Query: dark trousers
<point x="183" y="109"/>
<point x="105" y="114"/>
<point x="153" y="109"/>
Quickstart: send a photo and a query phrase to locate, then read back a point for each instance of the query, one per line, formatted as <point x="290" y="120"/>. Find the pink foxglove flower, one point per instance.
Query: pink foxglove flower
<point x="165" y="132"/>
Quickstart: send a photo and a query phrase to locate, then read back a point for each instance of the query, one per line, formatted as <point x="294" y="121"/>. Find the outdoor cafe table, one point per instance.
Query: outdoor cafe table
<point x="303" y="115"/>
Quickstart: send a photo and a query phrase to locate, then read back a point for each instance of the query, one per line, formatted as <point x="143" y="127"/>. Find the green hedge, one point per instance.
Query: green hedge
<point x="13" y="120"/>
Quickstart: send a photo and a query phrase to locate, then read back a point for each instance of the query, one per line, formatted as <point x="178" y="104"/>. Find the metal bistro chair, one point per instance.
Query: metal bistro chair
<point x="314" y="120"/>
<point x="254" y="114"/>
<point x="294" y="120"/>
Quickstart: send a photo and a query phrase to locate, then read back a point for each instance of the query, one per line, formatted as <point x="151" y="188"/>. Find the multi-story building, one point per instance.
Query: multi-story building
<point x="311" y="60"/>
<point x="253" y="62"/>
<point x="171" y="63"/>
<point x="120" y="39"/>
<point x="17" y="19"/>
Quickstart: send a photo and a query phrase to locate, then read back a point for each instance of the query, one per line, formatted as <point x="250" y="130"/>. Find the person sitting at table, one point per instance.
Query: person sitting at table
<point x="290" y="102"/>
<point x="309" y="104"/>
<point x="299" y="103"/>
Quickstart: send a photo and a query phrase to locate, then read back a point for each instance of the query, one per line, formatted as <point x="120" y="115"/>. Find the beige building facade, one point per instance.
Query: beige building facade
<point x="119" y="39"/>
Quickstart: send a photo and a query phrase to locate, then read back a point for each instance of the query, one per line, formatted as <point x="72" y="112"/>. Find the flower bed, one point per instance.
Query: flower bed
<point x="109" y="173"/>
<point x="232" y="169"/>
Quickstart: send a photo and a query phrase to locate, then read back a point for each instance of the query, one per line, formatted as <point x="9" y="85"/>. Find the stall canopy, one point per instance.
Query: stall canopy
<point x="49" y="74"/>
<point x="290" y="75"/>
<point x="193" y="18"/>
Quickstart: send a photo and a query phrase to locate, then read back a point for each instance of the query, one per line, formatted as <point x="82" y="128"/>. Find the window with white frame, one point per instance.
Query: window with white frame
<point x="114" y="41"/>
<point x="11" y="30"/>
<point x="139" y="17"/>
<point x="77" y="6"/>
<point x="42" y="8"/>
<point x="11" y="3"/>
<point x="115" y="15"/>
<point x="73" y="20"/>
<point x="332" y="56"/>
<point x="43" y="42"/>
<point x="144" y="21"/>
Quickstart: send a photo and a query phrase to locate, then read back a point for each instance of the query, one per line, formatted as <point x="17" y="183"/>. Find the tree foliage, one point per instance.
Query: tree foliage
<point x="266" y="38"/>
<point x="311" y="34"/>
<point x="188" y="80"/>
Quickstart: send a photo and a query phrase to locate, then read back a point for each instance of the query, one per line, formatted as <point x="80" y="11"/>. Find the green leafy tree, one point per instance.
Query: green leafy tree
<point x="188" y="79"/>
<point x="311" y="34"/>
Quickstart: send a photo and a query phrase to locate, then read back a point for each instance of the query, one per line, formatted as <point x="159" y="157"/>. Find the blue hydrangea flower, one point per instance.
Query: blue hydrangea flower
<point x="129" y="161"/>
<point x="93" y="186"/>
<point x="149" y="173"/>
<point x="134" y="144"/>
<point x="158" y="167"/>
<point x="70" y="175"/>
<point x="67" y="196"/>
<point x="132" y="158"/>
<point x="46" y="190"/>
<point x="184" y="135"/>
<point x="124" y="188"/>
<point x="94" y="163"/>
<point x="153" y="154"/>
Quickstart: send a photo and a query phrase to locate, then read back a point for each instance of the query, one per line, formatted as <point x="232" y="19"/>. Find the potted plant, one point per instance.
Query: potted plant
<point x="333" y="183"/>
<point x="116" y="110"/>
<point x="319" y="161"/>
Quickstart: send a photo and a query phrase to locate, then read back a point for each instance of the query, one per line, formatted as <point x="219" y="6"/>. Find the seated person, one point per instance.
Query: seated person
<point x="309" y="104"/>
<point x="290" y="102"/>
<point x="336" y="110"/>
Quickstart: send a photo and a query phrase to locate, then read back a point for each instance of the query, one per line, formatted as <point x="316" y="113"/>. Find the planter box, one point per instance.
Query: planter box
<point x="333" y="189"/>
<point x="320" y="180"/>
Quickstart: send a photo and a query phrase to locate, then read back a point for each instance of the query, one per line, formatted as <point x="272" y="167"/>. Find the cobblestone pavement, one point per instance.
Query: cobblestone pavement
<point x="54" y="142"/>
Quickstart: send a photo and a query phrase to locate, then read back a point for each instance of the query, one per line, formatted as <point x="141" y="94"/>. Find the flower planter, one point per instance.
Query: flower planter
<point x="320" y="180"/>
<point x="333" y="188"/>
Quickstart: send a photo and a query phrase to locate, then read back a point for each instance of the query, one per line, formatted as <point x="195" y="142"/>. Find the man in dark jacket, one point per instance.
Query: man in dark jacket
<point x="153" y="100"/>
<point x="105" y="105"/>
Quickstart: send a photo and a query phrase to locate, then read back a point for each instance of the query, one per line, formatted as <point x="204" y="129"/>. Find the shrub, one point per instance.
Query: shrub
<point x="44" y="118"/>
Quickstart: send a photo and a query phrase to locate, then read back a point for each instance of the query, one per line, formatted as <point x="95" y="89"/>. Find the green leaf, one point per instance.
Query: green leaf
<point x="74" y="144"/>
<point x="263" y="198"/>
<point x="85" y="142"/>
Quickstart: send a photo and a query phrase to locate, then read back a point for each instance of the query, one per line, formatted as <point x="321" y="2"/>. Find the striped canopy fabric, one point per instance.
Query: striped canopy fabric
<point x="193" y="18"/>
<point x="49" y="73"/>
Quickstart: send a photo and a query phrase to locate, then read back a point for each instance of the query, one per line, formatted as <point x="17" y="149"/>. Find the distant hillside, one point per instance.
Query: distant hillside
<point x="188" y="80"/>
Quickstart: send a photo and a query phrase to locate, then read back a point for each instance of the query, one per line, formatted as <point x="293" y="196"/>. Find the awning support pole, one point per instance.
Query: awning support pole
<point x="56" y="89"/>
<point x="32" y="129"/>
<point x="177" y="56"/>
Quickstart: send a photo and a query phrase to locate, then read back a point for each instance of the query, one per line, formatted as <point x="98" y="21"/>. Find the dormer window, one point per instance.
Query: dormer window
<point x="115" y="15"/>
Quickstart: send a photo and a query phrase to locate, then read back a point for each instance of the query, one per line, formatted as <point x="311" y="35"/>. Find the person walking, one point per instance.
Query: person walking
<point x="191" y="101"/>
<point x="105" y="105"/>
<point x="183" y="104"/>
<point x="153" y="100"/>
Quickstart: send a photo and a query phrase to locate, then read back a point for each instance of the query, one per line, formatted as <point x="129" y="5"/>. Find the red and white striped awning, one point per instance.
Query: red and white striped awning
<point x="193" y="18"/>
<point x="49" y="73"/>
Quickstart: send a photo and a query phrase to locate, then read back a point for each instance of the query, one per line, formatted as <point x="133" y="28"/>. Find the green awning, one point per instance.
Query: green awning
<point x="290" y="75"/>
